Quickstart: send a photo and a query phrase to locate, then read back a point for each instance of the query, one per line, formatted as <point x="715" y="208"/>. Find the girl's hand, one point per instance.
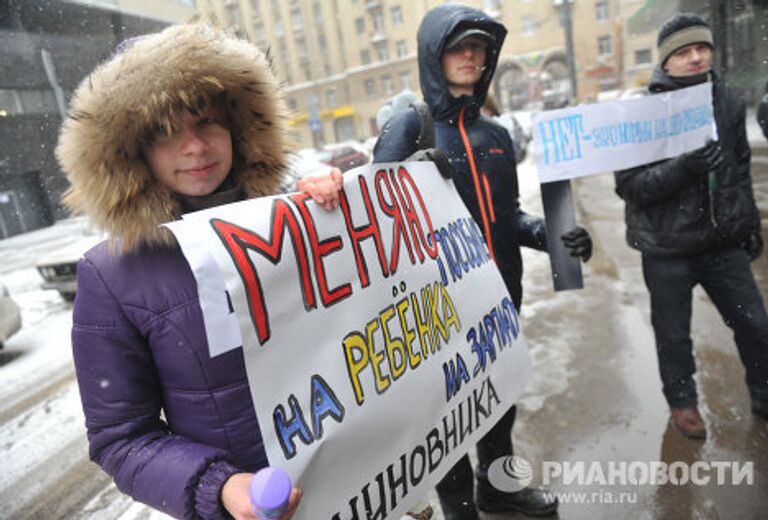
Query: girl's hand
<point x="237" y="500"/>
<point x="324" y="189"/>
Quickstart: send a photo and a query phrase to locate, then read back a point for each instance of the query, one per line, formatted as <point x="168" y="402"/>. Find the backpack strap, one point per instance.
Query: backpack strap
<point x="426" y="125"/>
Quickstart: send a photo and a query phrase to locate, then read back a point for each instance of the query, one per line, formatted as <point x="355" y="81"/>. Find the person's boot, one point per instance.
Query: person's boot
<point x="530" y="501"/>
<point x="689" y="422"/>
<point x="456" y="492"/>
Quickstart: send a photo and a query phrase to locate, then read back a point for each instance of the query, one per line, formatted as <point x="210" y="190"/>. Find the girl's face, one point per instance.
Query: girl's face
<point x="196" y="158"/>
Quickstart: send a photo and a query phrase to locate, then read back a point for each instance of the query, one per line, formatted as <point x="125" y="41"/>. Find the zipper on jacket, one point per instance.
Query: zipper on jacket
<point x="712" y="175"/>
<point x="488" y="197"/>
<point x="476" y="182"/>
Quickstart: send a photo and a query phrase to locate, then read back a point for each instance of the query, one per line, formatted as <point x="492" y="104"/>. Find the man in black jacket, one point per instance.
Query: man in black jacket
<point x="695" y="221"/>
<point x="458" y="48"/>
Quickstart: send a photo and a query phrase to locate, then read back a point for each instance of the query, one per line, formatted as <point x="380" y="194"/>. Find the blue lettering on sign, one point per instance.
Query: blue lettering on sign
<point x="561" y="138"/>
<point x="629" y="132"/>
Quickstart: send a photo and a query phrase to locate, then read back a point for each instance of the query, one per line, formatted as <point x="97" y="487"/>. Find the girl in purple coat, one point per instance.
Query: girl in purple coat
<point x="185" y="119"/>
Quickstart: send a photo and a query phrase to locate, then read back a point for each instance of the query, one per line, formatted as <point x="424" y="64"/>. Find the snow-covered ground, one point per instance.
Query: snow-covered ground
<point x="43" y="449"/>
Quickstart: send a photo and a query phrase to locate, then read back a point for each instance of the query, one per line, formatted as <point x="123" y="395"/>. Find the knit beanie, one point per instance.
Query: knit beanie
<point x="681" y="30"/>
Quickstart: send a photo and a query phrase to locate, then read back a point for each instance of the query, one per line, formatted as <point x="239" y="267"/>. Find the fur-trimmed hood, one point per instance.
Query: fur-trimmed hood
<point x="142" y="89"/>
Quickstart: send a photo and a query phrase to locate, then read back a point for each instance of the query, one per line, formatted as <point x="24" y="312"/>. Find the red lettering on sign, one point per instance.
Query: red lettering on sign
<point x="238" y="241"/>
<point x="319" y="250"/>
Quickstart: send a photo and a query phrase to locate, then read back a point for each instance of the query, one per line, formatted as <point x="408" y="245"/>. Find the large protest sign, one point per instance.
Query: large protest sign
<point x="615" y="135"/>
<point x="604" y="137"/>
<point x="379" y="339"/>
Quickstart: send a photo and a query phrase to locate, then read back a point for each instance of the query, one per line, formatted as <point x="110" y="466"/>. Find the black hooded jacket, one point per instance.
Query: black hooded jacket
<point x="492" y="148"/>
<point x="672" y="211"/>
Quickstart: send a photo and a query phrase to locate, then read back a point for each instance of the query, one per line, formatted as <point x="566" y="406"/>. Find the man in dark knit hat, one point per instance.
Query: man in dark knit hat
<point x="694" y="219"/>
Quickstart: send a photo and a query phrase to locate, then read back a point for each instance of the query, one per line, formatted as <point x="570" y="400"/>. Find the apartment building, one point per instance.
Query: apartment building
<point x="341" y="60"/>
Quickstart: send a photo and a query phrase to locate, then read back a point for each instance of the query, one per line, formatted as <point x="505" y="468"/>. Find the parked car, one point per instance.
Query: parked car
<point x="10" y="316"/>
<point x="304" y="163"/>
<point x="58" y="268"/>
<point x="345" y="156"/>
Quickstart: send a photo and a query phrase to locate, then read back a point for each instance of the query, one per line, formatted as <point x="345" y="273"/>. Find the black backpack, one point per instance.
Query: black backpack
<point x="426" y="125"/>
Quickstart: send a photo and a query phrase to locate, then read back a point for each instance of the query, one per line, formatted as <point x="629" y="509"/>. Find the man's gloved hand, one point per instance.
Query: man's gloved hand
<point x="753" y="245"/>
<point x="579" y="242"/>
<point x="437" y="156"/>
<point x="707" y="158"/>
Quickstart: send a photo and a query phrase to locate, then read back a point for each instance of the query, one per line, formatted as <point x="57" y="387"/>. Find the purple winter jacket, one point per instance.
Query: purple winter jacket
<point x="139" y="347"/>
<point x="169" y="423"/>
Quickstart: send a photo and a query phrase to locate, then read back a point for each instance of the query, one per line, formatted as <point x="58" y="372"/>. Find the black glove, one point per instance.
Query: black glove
<point x="579" y="242"/>
<point x="437" y="156"/>
<point x="753" y="245"/>
<point x="707" y="158"/>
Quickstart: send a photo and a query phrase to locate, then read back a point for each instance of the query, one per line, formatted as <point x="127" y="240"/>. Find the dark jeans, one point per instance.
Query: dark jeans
<point x="727" y="279"/>
<point x="456" y="489"/>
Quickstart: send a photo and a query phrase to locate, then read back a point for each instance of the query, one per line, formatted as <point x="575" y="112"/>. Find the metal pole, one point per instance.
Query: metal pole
<point x="569" y="53"/>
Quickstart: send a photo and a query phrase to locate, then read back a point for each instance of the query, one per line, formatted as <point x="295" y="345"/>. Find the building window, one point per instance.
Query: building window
<point x="602" y="10"/>
<point x="378" y="20"/>
<point x="279" y="31"/>
<point x="365" y="57"/>
<point x="284" y="55"/>
<point x="317" y="12"/>
<point x="233" y="15"/>
<point x="27" y="101"/>
<point x="327" y="69"/>
<point x="643" y="56"/>
<point x="387" y="85"/>
<point x="401" y="49"/>
<point x="321" y="42"/>
<point x="382" y="52"/>
<point x="370" y="88"/>
<point x="296" y="20"/>
<point x="307" y="72"/>
<point x="331" y="96"/>
<point x="292" y="103"/>
<point x="261" y="32"/>
<point x="604" y="45"/>
<point x="255" y="6"/>
<point x="528" y="25"/>
<point x="405" y="80"/>
<point x="312" y="101"/>
<point x="360" y="25"/>
<point x="397" y="16"/>
<point x="301" y="48"/>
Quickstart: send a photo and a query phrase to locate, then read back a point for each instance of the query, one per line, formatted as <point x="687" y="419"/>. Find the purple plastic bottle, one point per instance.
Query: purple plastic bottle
<point x="270" y="489"/>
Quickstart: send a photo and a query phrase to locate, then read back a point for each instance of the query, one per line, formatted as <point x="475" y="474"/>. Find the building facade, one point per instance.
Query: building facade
<point x="341" y="60"/>
<point x="46" y="48"/>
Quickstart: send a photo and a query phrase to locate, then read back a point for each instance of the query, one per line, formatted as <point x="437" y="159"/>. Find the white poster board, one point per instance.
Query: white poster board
<point x="377" y="354"/>
<point x="615" y="135"/>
